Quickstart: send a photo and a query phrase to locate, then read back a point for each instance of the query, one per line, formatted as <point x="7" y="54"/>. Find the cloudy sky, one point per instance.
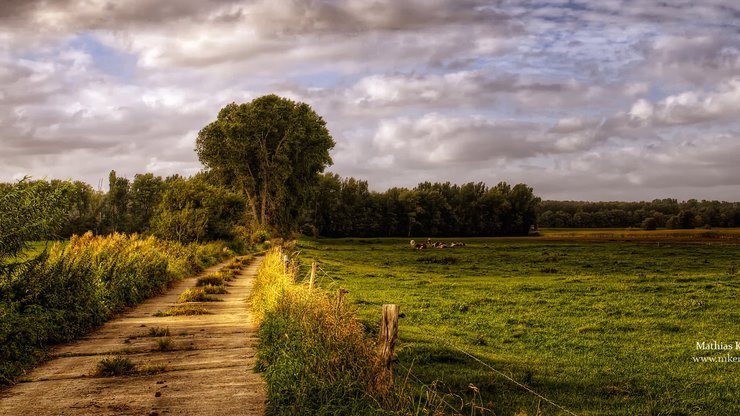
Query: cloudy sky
<point x="599" y="100"/>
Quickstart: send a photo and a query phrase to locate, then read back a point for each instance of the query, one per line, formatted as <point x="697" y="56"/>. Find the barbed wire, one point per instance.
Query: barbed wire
<point x="424" y="385"/>
<point x="473" y="357"/>
<point x="512" y="380"/>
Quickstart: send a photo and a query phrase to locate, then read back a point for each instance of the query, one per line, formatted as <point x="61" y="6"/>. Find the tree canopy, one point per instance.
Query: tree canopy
<point x="347" y="208"/>
<point x="271" y="149"/>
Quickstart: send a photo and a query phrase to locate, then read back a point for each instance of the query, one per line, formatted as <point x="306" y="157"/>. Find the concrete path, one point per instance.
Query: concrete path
<point x="209" y="372"/>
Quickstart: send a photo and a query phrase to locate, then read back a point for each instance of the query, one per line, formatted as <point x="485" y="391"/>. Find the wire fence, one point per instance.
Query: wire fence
<point x="334" y="283"/>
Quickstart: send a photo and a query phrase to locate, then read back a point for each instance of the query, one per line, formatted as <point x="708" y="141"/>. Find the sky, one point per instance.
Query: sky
<point x="582" y="100"/>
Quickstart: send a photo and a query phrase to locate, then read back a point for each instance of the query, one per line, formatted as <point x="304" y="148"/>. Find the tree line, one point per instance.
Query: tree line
<point x="659" y="213"/>
<point x="199" y="208"/>
<point x="345" y="207"/>
<point x="172" y="208"/>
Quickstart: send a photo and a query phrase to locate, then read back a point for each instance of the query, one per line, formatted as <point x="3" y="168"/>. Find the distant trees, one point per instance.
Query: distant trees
<point x="175" y="208"/>
<point x="201" y="209"/>
<point x="194" y="210"/>
<point x="666" y="213"/>
<point x="271" y="150"/>
<point x="144" y="198"/>
<point x="346" y="207"/>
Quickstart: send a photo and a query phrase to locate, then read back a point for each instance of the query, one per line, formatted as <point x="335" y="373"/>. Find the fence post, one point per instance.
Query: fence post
<point x="313" y="276"/>
<point x="285" y="264"/>
<point x="388" y="338"/>
<point x="340" y="297"/>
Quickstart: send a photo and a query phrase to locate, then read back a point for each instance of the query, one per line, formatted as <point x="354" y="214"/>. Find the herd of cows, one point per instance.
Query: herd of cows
<point x="433" y="244"/>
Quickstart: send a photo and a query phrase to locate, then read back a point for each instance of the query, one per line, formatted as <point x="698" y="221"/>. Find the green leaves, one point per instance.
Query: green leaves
<point x="29" y="210"/>
<point x="272" y="150"/>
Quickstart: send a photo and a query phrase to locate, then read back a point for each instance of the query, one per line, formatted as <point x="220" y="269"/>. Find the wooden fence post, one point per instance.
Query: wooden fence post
<point x="313" y="276"/>
<point x="285" y="264"/>
<point x="388" y="338"/>
<point x="340" y="297"/>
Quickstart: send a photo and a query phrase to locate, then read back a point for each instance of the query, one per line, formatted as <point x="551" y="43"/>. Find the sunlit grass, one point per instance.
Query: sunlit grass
<point x="601" y="327"/>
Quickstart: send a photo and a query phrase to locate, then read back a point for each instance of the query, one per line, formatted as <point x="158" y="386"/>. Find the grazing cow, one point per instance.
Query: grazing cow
<point x="421" y="246"/>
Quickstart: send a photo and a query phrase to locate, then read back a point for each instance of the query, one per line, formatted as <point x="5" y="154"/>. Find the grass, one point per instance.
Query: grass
<point x="227" y="274"/>
<point x="215" y="290"/>
<point x="159" y="332"/>
<point x="212" y="279"/>
<point x="601" y="327"/>
<point x="150" y="369"/>
<point x="116" y="366"/>
<point x="196" y="294"/>
<point x="183" y="310"/>
<point x="165" y="344"/>
<point x="313" y="352"/>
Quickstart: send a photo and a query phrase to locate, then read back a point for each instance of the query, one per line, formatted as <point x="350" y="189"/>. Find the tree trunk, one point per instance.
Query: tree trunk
<point x="263" y="213"/>
<point x="251" y="205"/>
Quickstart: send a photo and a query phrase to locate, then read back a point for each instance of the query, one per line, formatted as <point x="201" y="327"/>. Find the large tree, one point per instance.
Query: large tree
<point x="271" y="149"/>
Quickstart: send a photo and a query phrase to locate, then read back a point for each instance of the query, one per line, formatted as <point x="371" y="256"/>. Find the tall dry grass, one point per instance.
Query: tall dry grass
<point x="313" y="351"/>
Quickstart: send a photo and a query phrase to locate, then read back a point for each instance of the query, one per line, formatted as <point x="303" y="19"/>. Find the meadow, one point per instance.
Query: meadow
<point x="601" y="323"/>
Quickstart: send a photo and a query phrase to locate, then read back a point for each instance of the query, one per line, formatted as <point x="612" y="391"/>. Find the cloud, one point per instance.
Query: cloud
<point x="697" y="58"/>
<point x="692" y="107"/>
<point x="616" y="98"/>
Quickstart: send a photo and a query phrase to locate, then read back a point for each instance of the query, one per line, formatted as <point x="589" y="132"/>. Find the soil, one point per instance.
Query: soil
<point x="210" y="370"/>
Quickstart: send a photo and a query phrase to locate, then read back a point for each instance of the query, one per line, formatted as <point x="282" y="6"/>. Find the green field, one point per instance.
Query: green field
<point x="599" y="326"/>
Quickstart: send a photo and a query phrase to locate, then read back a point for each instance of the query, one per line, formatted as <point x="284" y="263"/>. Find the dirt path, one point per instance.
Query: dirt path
<point x="210" y="371"/>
